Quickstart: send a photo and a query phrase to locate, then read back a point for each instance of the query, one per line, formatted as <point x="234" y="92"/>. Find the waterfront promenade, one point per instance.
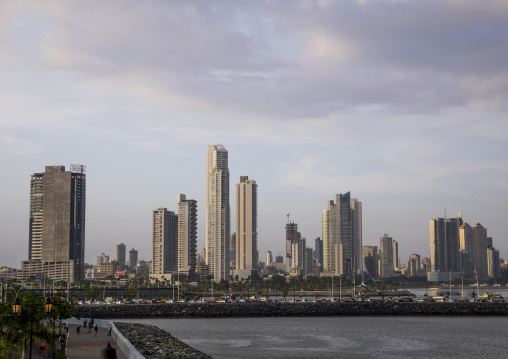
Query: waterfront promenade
<point x="86" y="345"/>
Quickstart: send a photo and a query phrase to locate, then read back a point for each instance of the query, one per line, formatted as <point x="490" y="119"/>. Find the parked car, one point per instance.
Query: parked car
<point x="405" y="300"/>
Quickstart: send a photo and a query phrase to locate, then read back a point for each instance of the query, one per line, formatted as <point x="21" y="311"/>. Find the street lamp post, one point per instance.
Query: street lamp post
<point x="294" y="292"/>
<point x="16" y="306"/>
<point x="62" y="299"/>
<point x="54" y="328"/>
<point x="47" y="308"/>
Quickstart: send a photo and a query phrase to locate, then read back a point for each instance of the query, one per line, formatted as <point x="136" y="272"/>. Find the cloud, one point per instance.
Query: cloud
<point x="315" y="174"/>
<point x="279" y="60"/>
<point x="18" y="147"/>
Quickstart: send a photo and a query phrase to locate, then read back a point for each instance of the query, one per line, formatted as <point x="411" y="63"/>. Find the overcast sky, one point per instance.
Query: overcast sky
<point x="403" y="103"/>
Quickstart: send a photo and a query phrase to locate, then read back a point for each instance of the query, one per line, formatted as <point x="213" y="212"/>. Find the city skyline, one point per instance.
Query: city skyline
<point x="311" y="99"/>
<point x="181" y="198"/>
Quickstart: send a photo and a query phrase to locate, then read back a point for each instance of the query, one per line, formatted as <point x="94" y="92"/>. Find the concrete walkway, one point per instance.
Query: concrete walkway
<point x="87" y="345"/>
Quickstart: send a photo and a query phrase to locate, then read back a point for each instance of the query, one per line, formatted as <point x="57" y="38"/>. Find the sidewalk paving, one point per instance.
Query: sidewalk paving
<point x="87" y="345"/>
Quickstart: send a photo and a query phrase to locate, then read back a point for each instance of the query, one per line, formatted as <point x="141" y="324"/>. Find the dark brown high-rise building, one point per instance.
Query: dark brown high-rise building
<point x="57" y="224"/>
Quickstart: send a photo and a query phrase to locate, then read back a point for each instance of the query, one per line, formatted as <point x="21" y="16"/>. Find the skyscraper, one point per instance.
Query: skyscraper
<point x="329" y="238"/>
<point x="295" y="250"/>
<point x="413" y="265"/>
<point x="103" y="258"/>
<point x="57" y="224"/>
<point x="232" y="250"/>
<point x="133" y="258"/>
<point x="318" y="252"/>
<point x="467" y="249"/>
<point x="356" y="219"/>
<point x="309" y="256"/>
<point x="386" y="258"/>
<point x="370" y="257"/>
<point x="395" y="255"/>
<point x="165" y="241"/>
<point x="445" y="244"/>
<point x="121" y="254"/>
<point x="269" y="258"/>
<point x="493" y="263"/>
<point x="187" y="234"/>
<point x="480" y="250"/>
<point x="246" y="227"/>
<point x="203" y="254"/>
<point x="342" y="236"/>
<point x="217" y="212"/>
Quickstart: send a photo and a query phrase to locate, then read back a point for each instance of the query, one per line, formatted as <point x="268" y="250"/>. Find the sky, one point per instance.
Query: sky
<point x="401" y="102"/>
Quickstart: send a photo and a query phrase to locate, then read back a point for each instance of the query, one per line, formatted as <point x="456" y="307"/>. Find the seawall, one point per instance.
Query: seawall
<point x="154" y="343"/>
<point x="223" y="310"/>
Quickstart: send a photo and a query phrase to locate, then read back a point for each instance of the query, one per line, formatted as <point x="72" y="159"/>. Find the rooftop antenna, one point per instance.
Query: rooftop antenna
<point x="288" y="217"/>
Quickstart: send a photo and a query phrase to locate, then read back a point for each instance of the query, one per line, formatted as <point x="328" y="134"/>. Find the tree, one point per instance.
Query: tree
<point x="382" y="292"/>
<point x="21" y="325"/>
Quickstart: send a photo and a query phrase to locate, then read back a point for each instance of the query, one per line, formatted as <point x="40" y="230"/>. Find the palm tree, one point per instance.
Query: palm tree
<point x="383" y="288"/>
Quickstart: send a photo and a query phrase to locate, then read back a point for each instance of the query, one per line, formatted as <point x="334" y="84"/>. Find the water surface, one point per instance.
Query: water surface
<point x="342" y="337"/>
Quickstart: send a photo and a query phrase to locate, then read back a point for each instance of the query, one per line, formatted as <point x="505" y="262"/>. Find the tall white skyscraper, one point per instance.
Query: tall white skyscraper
<point x="217" y="212"/>
<point x="187" y="233"/>
<point x="165" y="241"/>
<point x="246" y="227"/>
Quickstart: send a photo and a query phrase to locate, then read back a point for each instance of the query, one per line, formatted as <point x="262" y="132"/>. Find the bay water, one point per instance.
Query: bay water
<point x="342" y="337"/>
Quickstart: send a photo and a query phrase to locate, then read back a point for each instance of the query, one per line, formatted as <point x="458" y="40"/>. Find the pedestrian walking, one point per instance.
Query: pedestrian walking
<point x="78" y="330"/>
<point x="110" y="328"/>
<point x="89" y="327"/>
<point x="84" y="322"/>
<point x="44" y="349"/>
<point x="96" y="329"/>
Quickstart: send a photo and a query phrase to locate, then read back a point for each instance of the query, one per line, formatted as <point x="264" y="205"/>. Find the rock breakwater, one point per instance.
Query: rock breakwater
<point x="223" y="310"/>
<point x="155" y="343"/>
